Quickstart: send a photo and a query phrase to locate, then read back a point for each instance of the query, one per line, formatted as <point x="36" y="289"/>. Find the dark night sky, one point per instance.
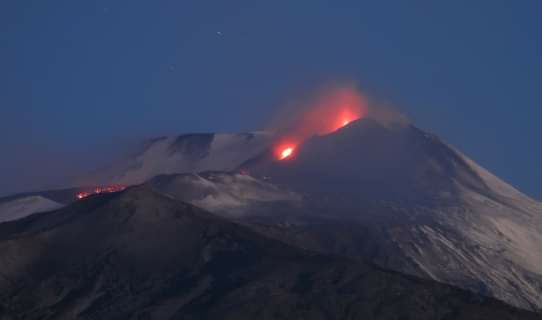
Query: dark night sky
<point x="79" y="78"/>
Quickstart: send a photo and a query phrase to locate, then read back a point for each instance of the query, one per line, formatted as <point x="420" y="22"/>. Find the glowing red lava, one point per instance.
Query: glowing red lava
<point x="285" y="150"/>
<point x="98" y="190"/>
<point x="286" y="153"/>
<point x="345" y="117"/>
<point x="326" y="113"/>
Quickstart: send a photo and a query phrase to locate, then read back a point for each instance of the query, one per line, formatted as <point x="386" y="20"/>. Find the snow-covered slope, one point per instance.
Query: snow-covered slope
<point x="191" y="153"/>
<point x="438" y="214"/>
<point x="22" y="207"/>
<point x="480" y="243"/>
<point x="504" y="231"/>
<point x="230" y="194"/>
<point x="139" y="255"/>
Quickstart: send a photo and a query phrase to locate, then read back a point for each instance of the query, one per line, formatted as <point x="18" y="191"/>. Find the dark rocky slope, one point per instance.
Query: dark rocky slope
<point x="141" y="255"/>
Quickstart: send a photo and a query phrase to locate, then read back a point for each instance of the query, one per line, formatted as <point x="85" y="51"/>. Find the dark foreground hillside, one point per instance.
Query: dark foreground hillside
<point x="140" y="255"/>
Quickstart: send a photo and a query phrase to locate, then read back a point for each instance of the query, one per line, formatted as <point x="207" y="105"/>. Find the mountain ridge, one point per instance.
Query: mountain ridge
<point x="423" y="207"/>
<point x="141" y="254"/>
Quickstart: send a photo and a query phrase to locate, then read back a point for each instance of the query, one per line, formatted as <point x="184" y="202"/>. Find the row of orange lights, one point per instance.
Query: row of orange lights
<point x="98" y="190"/>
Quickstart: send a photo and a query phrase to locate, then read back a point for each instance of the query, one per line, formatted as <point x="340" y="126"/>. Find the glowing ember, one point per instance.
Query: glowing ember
<point x="286" y="153"/>
<point x="347" y="120"/>
<point x="98" y="190"/>
<point x="285" y="149"/>
<point x="82" y="195"/>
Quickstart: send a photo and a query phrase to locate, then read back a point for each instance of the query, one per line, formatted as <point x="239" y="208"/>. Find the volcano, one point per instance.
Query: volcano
<point x="384" y="194"/>
<point x="395" y="195"/>
<point x="435" y="212"/>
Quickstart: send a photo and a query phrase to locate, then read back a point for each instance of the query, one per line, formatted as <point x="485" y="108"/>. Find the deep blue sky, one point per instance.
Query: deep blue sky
<point x="82" y="76"/>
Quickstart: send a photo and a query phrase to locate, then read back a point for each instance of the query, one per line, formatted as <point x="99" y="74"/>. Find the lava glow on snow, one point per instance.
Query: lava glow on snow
<point x="329" y="112"/>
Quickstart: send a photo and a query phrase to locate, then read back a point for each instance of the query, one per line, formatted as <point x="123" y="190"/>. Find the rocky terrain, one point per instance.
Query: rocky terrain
<point x="141" y="255"/>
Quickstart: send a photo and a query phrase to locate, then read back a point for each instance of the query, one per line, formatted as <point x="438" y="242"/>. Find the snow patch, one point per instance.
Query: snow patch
<point x="524" y="243"/>
<point x="224" y="193"/>
<point x="493" y="182"/>
<point x="228" y="151"/>
<point x="23" y="207"/>
<point x="193" y="153"/>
